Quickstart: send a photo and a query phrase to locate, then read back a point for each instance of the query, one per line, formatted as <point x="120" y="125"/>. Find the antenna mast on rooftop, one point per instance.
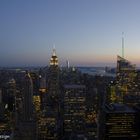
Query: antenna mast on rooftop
<point x="122" y="44"/>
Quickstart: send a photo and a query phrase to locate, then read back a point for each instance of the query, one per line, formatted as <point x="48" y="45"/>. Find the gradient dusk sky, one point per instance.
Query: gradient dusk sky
<point x="85" y="32"/>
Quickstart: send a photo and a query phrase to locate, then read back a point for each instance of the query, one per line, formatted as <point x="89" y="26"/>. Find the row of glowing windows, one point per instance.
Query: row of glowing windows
<point x="121" y="131"/>
<point x="74" y="100"/>
<point x="53" y="63"/>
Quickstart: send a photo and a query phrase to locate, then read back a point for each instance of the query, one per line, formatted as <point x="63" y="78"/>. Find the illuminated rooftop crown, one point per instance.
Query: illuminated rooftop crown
<point x="123" y="64"/>
<point x="54" y="59"/>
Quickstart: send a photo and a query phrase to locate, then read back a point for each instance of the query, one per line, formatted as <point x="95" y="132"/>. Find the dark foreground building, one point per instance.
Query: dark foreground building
<point x="119" y="121"/>
<point x="74" y="112"/>
<point x="25" y="127"/>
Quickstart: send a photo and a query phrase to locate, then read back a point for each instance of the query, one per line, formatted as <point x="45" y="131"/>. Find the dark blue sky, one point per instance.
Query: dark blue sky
<point x="86" y="32"/>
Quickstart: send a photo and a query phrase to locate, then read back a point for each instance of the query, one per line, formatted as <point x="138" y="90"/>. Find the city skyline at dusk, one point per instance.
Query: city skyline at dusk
<point x="87" y="33"/>
<point x="69" y="69"/>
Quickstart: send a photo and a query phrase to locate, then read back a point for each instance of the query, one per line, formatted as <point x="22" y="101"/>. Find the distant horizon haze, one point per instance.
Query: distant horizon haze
<point x="85" y="32"/>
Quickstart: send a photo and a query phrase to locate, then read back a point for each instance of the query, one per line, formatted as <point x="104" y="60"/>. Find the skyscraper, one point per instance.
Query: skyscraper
<point x="67" y="64"/>
<point x="28" y="98"/>
<point x="119" y="121"/>
<point x="125" y="89"/>
<point x="74" y="112"/>
<point x="51" y="119"/>
<point x="42" y="90"/>
<point x="26" y="126"/>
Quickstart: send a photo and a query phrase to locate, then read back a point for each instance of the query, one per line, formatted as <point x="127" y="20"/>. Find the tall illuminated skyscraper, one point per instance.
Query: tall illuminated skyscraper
<point x="53" y="97"/>
<point x="53" y="78"/>
<point x="51" y="119"/>
<point x="54" y="59"/>
<point x="126" y="73"/>
<point x="74" y="112"/>
<point x="125" y="89"/>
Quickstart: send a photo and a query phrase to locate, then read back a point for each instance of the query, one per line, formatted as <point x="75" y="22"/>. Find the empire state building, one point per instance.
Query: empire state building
<point x="53" y="100"/>
<point x="54" y="59"/>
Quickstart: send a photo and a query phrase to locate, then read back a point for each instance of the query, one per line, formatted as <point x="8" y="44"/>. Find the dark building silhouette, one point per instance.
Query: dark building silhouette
<point x="25" y="128"/>
<point x="28" y="98"/>
<point x="119" y="121"/>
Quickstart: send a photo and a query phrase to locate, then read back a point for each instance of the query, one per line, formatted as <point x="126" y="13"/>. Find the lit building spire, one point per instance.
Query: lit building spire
<point x="54" y="59"/>
<point x="122" y="44"/>
<point x="54" y="52"/>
